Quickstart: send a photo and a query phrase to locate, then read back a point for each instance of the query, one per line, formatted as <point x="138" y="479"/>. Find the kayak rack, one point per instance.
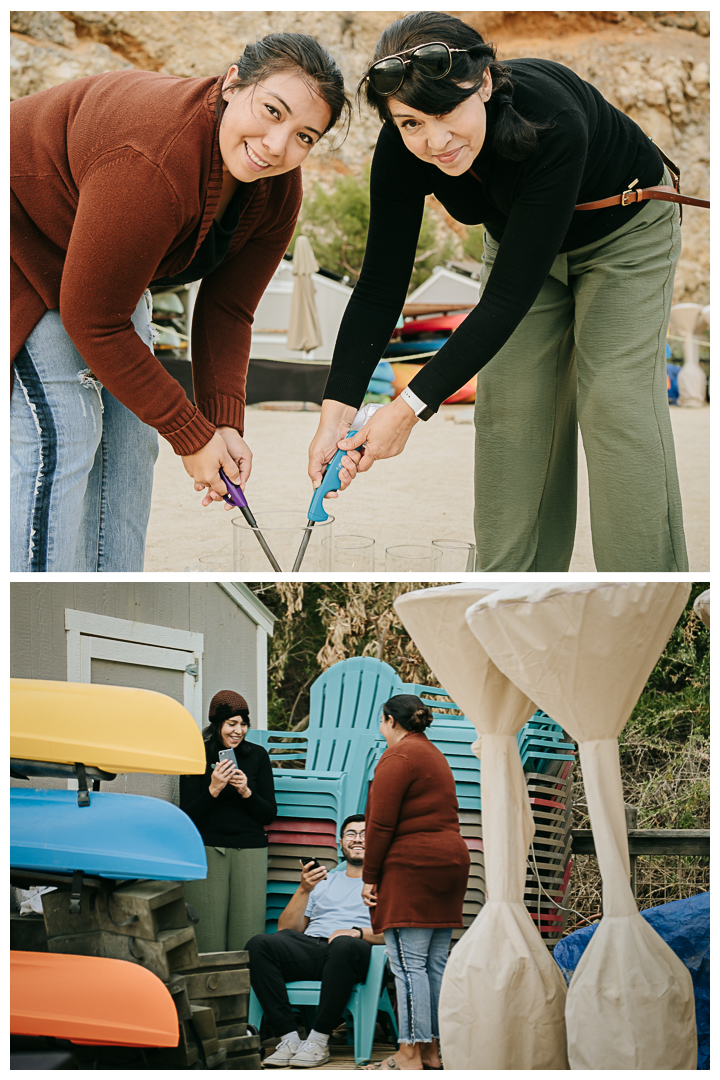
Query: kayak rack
<point x="22" y="769"/>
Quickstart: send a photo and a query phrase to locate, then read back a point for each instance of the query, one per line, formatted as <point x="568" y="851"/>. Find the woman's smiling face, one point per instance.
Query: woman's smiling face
<point x="451" y="142"/>
<point x="233" y="732"/>
<point x="270" y="128"/>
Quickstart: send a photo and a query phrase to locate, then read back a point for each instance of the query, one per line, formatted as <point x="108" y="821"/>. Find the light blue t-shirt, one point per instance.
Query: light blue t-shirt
<point x="336" y="904"/>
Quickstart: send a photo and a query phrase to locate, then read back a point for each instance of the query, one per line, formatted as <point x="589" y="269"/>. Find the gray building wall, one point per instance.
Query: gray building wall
<point x="38" y="646"/>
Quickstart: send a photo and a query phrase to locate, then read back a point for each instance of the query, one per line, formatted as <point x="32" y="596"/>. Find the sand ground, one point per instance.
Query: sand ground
<point x="424" y="494"/>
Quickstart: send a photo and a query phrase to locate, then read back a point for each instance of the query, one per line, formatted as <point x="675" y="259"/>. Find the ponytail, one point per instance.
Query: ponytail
<point x="513" y="137"/>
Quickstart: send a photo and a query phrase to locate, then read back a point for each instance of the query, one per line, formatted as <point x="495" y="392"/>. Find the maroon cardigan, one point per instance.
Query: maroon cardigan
<point x="414" y="852"/>
<point x="116" y="179"/>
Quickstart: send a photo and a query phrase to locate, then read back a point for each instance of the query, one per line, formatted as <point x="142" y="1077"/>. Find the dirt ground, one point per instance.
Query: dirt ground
<point x="424" y="494"/>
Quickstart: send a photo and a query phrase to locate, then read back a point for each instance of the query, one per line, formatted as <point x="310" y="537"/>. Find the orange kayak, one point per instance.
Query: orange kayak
<point x="89" y="999"/>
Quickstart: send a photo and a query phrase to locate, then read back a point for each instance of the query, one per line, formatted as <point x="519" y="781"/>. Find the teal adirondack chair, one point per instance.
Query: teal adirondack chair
<point x="342" y="734"/>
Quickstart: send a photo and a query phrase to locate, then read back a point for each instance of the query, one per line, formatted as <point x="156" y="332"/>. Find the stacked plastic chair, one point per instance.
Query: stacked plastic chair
<point x="334" y="761"/>
<point x="321" y="774"/>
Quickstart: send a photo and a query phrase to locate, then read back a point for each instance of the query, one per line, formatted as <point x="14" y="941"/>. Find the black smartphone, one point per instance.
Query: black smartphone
<point x="308" y="863"/>
<point x="227" y="755"/>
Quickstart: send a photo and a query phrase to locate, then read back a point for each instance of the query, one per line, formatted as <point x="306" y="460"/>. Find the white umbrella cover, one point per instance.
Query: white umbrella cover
<point x="304" y="329"/>
<point x="584" y="652"/>
<point x="502" y="1001"/>
<point x="702" y="607"/>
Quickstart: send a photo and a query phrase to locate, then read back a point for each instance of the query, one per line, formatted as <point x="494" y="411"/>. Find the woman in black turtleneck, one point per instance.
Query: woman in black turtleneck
<point x="573" y="312"/>
<point x="230" y="807"/>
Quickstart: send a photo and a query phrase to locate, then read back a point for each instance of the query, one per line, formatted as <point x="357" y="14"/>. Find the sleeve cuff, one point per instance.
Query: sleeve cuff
<point x="224" y="411"/>
<point x="431" y="388"/>
<point x="369" y="877"/>
<point x="192" y="435"/>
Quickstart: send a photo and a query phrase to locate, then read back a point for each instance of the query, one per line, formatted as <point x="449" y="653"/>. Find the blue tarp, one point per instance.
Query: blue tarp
<point x="685" y="926"/>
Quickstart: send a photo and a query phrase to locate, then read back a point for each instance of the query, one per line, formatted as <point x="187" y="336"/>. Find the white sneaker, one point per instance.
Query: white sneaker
<point x="284" y="1053"/>
<point x="310" y="1055"/>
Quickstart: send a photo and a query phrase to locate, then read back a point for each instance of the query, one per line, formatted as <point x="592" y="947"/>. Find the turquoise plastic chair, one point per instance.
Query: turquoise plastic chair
<point x="349" y="695"/>
<point x="311" y="794"/>
<point x="366" y="1001"/>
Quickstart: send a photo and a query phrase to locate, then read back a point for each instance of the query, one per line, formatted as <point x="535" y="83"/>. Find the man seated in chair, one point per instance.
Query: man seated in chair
<point x="323" y="934"/>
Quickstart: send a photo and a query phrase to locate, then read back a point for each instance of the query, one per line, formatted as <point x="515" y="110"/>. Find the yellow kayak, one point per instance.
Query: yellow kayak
<point x="115" y="728"/>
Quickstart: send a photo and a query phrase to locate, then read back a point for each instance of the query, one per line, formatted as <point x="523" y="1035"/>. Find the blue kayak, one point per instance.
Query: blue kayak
<point x="117" y="836"/>
<point x="409" y="348"/>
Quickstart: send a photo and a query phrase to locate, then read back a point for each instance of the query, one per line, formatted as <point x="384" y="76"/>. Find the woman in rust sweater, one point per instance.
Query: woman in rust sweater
<point x="415" y="872"/>
<point x="120" y="181"/>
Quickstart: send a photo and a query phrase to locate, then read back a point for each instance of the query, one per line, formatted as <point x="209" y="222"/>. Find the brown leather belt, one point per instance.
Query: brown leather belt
<point x="663" y="192"/>
<point x="634" y="195"/>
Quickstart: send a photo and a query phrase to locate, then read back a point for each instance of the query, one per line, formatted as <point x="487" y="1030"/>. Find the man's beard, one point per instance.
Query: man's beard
<point x="352" y="861"/>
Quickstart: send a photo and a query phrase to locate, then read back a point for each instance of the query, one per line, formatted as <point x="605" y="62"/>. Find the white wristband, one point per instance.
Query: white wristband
<point x="423" y="411"/>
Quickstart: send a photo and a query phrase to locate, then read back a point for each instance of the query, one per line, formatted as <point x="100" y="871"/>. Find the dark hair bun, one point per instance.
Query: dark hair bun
<point x="409" y="711"/>
<point x="421" y="719"/>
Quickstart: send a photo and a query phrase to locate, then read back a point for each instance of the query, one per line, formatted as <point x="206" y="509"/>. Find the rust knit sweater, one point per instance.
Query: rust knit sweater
<point x="116" y="179"/>
<point x="413" y="849"/>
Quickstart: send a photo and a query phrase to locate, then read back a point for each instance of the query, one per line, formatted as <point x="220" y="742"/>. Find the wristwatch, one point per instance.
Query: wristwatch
<point x="421" y="410"/>
<point x="359" y="930"/>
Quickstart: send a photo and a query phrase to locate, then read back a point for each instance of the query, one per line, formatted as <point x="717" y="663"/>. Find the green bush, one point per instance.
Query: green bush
<point x="336" y="223"/>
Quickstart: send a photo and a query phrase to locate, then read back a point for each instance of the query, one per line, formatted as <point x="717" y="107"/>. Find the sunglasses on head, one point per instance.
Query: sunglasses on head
<point x="433" y="60"/>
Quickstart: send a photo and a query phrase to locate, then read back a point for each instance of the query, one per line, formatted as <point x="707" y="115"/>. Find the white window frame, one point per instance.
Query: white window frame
<point x="102" y="637"/>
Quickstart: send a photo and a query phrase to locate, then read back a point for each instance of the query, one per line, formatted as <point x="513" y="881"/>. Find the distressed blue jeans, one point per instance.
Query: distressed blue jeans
<point x="417" y="958"/>
<point x="81" y="463"/>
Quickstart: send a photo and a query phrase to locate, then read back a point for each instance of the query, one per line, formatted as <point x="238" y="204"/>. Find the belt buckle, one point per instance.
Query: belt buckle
<point x="624" y="200"/>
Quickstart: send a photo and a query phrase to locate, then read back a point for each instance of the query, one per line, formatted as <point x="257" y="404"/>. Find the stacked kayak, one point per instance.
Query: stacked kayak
<point x="117" y="836"/>
<point x="425" y="334"/>
<point x="117" y="729"/>
<point x="59" y="837"/>
<point x="64" y="729"/>
<point x="89" y="999"/>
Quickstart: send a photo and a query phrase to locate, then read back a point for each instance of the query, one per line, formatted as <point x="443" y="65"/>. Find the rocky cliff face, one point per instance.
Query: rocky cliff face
<point x="652" y="65"/>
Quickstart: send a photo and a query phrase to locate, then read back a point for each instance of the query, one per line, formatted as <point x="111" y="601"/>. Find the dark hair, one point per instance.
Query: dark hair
<point x="409" y="712"/>
<point x="513" y="136"/>
<point x="348" y="821"/>
<point x="277" y="53"/>
<point x="223" y="712"/>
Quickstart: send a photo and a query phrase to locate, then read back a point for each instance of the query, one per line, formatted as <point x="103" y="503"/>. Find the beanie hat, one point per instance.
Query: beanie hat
<point x="228" y="697"/>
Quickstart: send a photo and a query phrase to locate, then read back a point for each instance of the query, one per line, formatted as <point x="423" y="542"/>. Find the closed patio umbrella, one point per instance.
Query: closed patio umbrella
<point x="502" y="1003"/>
<point x="583" y="653"/>
<point x="304" y="329"/>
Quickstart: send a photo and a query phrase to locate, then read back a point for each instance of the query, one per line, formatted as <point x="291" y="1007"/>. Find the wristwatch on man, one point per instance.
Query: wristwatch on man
<point x="421" y="410"/>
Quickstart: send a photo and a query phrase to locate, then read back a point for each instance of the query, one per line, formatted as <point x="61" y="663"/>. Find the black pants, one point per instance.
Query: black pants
<point x="289" y="955"/>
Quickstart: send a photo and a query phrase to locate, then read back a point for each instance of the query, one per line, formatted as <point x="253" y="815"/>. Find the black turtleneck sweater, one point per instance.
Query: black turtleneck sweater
<point x="589" y="151"/>
<point x="228" y="820"/>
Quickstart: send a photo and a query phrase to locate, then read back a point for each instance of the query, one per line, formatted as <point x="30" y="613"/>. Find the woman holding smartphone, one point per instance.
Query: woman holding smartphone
<point x="121" y="181"/>
<point x="415" y="872"/>
<point x="571" y="322"/>
<point x="230" y="804"/>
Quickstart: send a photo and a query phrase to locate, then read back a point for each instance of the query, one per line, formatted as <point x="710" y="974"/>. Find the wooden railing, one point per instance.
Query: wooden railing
<point x="647" y="842"/>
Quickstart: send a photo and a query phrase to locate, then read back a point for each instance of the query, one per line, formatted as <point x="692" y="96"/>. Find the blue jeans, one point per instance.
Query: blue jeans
<point x="81" y="463"/>
<point x="417" y="959"/>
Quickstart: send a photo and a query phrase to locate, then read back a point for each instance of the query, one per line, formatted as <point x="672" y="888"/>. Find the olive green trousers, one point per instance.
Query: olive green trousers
<point x="231" y="899"/>
<point x="591" y="350"/>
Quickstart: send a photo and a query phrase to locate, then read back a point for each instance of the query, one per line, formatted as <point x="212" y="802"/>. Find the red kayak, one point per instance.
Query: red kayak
<point x="89" y="999"/>
<point x="437" y="324"/>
